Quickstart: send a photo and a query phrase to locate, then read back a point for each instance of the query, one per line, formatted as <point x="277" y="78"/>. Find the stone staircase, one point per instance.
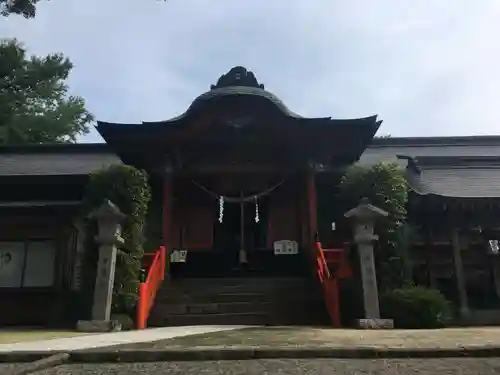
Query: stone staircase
<point x="239" y="301"/>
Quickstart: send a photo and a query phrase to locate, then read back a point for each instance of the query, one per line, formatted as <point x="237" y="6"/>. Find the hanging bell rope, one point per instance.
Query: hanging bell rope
<point x="257" y="218"/>
<point x="221" y="209"/>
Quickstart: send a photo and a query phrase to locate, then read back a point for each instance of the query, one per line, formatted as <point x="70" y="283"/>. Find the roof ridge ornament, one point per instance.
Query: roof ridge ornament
<point x="412" y="163"/>
<point x="237" y="76"/>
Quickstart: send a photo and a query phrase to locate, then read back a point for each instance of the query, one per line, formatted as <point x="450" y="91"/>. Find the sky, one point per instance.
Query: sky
<point x="426" y="67"/>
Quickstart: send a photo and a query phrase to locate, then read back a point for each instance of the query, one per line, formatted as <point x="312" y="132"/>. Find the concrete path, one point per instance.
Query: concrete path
<point x="107" y="339"/>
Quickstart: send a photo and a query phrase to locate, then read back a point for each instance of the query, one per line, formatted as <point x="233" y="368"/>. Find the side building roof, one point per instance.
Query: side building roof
<point x="454" y="177"/>
<point x="388" y="149"/>
<point x="82" y="159"/>
<point x="55" y="160"/>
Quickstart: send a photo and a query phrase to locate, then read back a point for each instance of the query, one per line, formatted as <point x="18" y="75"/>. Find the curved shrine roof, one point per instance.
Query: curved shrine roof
<point x="236" y="96"/>
<point x="237" y="82"/>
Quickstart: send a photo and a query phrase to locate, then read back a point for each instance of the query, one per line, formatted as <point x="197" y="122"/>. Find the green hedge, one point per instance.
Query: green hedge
<point x="416" y="307"/>
<point x="128" y="188"/>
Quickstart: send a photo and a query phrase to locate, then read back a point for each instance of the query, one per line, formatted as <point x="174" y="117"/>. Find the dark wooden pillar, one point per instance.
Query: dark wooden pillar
<point x="312" y="208"/>
<point x="459" y="273"/>
<point x="429" y="258"/>
<point x="167" y="213"/>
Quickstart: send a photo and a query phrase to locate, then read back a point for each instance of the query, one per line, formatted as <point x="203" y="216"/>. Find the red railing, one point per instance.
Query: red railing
<point x="329" y="283"/>
<point x="155" y="264"/>
<point x="326" y="261"/>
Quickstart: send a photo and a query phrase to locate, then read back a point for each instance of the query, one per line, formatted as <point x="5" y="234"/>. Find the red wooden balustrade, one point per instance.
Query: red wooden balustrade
<point x="326" y="261"/>
<point x="155" y="264"/>
<point x="338" y="260"/>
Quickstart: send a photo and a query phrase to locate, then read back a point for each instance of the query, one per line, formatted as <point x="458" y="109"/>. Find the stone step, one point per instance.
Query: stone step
<point x="171" y="309"/>
<point x="202" y="287"/>
<point x="180" y="297"/>
<point x="234" y="295"/>
<point x="251" y="318"/>
<point x="257" y="300"/>
<point x="226" y="282"/>
<point x="226" y="295"/>
<point x="234" y="280"/>
<point x="246" y="318"/>
<point x="236" y="303"/>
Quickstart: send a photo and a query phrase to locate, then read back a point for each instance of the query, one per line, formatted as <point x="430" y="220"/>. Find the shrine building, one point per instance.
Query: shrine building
<point x="236" y="183"/>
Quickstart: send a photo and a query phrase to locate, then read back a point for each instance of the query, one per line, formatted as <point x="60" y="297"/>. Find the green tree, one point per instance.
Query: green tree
<point x="34" y="103"/>
<point x="128" y="188"/>
<point x="386" y="187"/>
<point x="26" y="8"/>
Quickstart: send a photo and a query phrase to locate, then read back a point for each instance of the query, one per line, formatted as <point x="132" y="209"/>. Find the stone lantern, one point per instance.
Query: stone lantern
<point x="363" y="219"/>
<point x="109" y="230"/>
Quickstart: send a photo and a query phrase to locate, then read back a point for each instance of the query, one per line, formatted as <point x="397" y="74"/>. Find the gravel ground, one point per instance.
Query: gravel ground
<point x="466" y="366"/>
<point x="4" y="367"/>
<point x="306" y="336"/>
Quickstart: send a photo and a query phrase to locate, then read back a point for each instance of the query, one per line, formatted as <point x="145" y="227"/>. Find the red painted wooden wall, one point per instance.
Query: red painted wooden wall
<point x="193" y="226"/>
<point x="284" y="219"/>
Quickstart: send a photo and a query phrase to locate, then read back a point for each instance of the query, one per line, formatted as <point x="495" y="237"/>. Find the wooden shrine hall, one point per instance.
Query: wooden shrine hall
<point x="239" y="173"/>
<point x="236" y="183"/>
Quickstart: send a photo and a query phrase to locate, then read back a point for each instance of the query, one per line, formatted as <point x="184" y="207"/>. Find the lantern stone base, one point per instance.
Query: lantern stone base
<point x="92" y="326"/>
<point x="371" y="323"/>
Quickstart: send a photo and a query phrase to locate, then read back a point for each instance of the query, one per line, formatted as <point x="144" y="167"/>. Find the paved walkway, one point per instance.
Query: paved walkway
<point x="12" y="335"/>
<point x="108" y="339"/>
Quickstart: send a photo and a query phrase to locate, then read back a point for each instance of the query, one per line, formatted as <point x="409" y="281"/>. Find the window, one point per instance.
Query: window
<point x="11" y="264"/>
<point x="27" y="264"/>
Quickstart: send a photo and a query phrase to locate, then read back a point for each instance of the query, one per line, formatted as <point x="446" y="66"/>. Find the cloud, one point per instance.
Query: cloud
<point x="426" y="67"/>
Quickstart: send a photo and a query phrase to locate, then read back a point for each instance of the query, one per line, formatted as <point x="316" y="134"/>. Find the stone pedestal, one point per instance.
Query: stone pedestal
<point x="369" y="280"/>
<point x="98" y="326"/>
<point x="363" y="218"/>
<point x="374" y="323"/>
<point x="108" y="218"/>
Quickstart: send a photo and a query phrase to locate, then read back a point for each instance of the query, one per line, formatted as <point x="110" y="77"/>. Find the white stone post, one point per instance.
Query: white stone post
<point x="363" y="218"/>
<point x="108" y="239"/>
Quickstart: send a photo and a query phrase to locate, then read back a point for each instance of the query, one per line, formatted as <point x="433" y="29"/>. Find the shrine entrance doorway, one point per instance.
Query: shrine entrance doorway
<point x="240" y="231"/>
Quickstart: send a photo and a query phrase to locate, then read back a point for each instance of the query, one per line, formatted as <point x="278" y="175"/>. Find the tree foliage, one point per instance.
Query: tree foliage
<point x="34" y="103"/>
<point x="25" y="8"/>
<point x="128" y="188"/>
<point x="385" y="186"/>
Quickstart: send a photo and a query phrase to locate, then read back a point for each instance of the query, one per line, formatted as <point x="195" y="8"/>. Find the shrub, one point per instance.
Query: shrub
<point x="125" y="321"/>
<point x="128" y="188"/>
<point x="416" y="307"/>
